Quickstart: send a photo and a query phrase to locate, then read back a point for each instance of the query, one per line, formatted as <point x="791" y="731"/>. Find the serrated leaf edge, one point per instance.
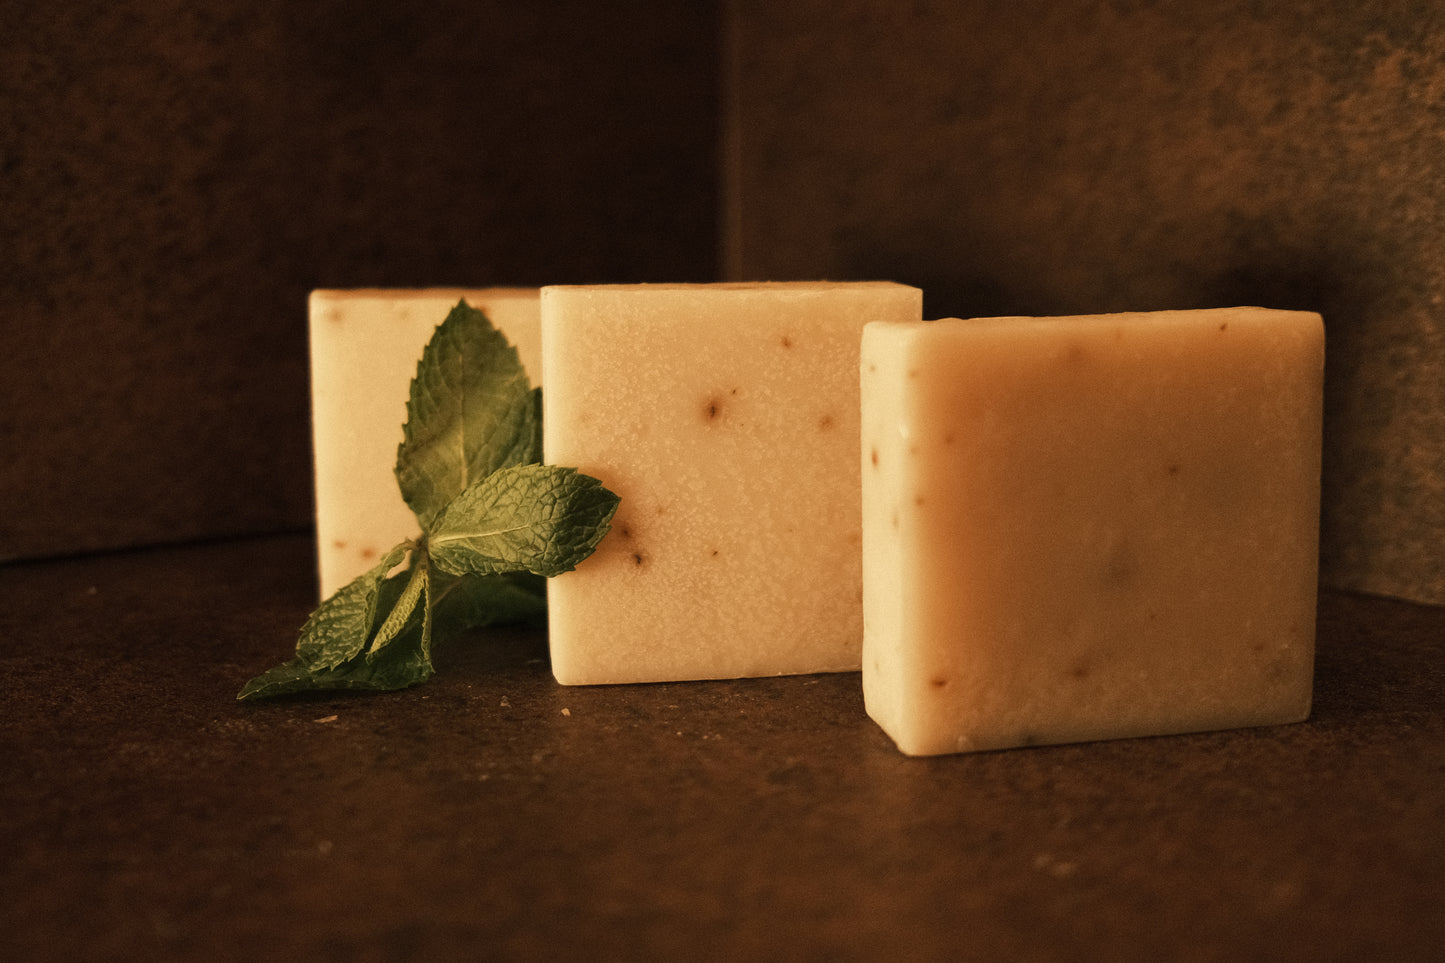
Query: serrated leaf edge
<point x="416" y="589"/>
<point x="369" y="584"/>
<point x="418" y="490"/>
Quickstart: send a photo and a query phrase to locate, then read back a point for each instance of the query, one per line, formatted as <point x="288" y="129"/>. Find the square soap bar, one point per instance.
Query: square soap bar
<point x="1086" y="528"/>
<point x="726" y="418"/>
<point x="365" y="345"/>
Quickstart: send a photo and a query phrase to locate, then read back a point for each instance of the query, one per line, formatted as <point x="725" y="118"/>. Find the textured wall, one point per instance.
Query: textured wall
<point x="1075" y="156"/>
<point x="175" y="176"/>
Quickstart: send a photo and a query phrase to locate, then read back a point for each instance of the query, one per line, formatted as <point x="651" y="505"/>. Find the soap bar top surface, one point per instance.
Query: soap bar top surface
<point x="1089" y="527"/>
<point x="725" y="416"/>
<point x="365" y="345"/>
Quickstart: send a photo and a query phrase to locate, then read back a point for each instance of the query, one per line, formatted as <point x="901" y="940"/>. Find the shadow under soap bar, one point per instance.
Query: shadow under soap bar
<point x="725" y="416"/>
<point x="1089" y="527"/>
<point x="365" y="345"/>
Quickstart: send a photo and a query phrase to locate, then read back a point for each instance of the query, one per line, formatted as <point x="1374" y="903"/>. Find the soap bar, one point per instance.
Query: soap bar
<point x="725" y="416"/>
<point x="365" y="345"/>
<point x="1085" y="528"/>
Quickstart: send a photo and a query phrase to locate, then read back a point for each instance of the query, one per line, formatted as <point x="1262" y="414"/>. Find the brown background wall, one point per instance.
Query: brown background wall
<point x="1080" y="156"/>
<point x="174" y="177"/>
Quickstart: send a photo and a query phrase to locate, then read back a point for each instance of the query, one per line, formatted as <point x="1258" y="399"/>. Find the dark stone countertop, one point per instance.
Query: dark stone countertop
<point x="494" y="814"/>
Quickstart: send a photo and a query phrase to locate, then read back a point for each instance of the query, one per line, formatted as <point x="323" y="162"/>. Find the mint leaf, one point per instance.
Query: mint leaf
<point x="339" y="628"/>
<point x="470" y="413"/>
<point x="536" y="518"/>
<point x="446" y="606"/>
<point x="404" y="659"/>
<point x="401" y="611"/>
<point x="405" y="662"/>
<point x="474" y="601"/>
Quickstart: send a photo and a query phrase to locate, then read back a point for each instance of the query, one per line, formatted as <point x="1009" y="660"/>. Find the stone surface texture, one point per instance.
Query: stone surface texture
<point x="495" y="814"/>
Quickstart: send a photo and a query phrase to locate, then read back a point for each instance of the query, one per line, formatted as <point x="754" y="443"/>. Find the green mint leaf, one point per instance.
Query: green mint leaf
<point x="536" y="518"/>
<point x="339" y="628"/>
<point x="333" y="652"/>
<point x="474" y="601"/>
<point x="405" y="662"/>
<point x="415" y="591"/>
<point x="461" y="603"/>
<point x="471" y="412"/>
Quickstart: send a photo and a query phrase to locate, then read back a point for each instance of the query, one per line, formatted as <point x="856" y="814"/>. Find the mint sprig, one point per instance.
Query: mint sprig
<point x="495" y="523"/>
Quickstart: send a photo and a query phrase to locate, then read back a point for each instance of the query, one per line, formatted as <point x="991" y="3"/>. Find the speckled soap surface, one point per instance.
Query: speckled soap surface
<point x="1089" y="527"/>
<point x="365" y="345"/>
<point x="726" y="418"/>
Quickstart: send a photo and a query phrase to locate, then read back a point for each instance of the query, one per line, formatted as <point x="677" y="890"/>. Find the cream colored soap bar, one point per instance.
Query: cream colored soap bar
<point x="726" y="418"/>
<point x="1091" y="527"/>
<point x="365" y="345"/>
